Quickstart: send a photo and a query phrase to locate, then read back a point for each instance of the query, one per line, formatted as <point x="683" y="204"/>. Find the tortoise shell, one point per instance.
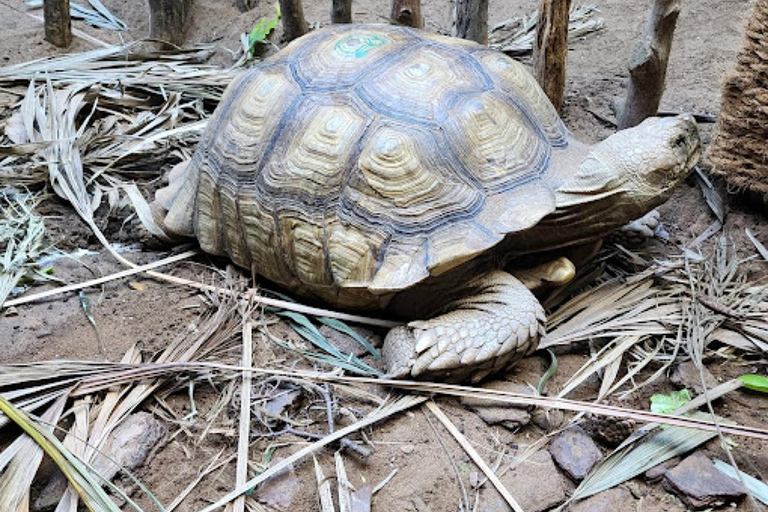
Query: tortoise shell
<point x="362" y="159"/>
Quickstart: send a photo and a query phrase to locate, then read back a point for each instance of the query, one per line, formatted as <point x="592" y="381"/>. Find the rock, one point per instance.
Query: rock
<point x="278" y="491"/>
<point x="498" y="413"/>
<point x="700" y="484"/>
<point x="347" y="344"/>
<point x="535" y="484"/>
<point x="407" y="448"/>
<point x="547" y="418"/>
<point x="617" y="498"/>
<point x="686" y="375"/>
<point x="657" y="472"/>
<point x="575" y="452"/>
<point x="51" y="495"/>
<point x="505" y="416"/>
<point x="130" y="444"/>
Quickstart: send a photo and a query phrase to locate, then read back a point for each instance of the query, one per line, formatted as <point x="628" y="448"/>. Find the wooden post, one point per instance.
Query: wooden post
<point x="550" y="51"/>
<point x="406" y="12"/>
<point x="169" y="19"/>
<point x="470" y="20"/>
<point x="294" y="24"/>
<point x="58" y="24"/>
<point x="341" y="11"/>
<point x="648" y="64"/>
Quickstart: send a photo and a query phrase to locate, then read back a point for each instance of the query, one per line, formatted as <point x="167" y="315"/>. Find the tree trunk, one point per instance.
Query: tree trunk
<point x="341" y="11"/>
<point x="406" y="12"/>
<point x="550" y="50"/>
<point x="648" y="64"/>
<point x="169" y="19"/>
<point x="58" y="24"/>
<point x="470" y="20"/>
<point x="294" y="24"/>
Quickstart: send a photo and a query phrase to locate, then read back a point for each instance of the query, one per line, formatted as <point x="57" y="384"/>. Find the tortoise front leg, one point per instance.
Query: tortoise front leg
<point x="497" y="320"/>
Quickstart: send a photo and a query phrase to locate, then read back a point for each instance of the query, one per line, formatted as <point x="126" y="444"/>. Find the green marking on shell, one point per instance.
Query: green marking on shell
<point x="358" y="46"/>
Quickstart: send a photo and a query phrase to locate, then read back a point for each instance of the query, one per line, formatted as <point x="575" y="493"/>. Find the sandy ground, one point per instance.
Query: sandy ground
<point x="428" y="461"/>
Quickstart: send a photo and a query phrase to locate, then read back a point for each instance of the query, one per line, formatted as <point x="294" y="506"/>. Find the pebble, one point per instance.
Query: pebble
<point x="575" y="452"/>
<point x="700" y="484"/>
<point x="686" y="375"/>
<point x="279" y="490"/>
<point x="130" y="444"/>
<point x="407" y="448"/>
<point x="498" y="413"/>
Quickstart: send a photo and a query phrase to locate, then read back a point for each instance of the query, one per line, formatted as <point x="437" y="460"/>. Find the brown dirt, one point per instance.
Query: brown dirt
<point x="708" y="37"/>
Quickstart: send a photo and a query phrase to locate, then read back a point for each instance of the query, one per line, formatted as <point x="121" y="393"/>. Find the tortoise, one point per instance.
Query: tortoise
<point x="378" y="167"/>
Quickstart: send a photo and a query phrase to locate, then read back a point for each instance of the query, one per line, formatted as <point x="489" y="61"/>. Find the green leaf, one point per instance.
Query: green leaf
<point x="755" y="382"/>
<point x="665" y="404"/>
<point x="263" y="28"/>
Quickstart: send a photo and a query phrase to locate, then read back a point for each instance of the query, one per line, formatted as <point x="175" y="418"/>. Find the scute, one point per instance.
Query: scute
<point x="363" y="159"/>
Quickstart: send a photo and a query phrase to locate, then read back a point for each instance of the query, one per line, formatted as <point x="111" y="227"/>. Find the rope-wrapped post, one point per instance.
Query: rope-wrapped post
<point x="169" y="20"/>
<point x="550" y="50"/>
<point x="58" y="23"/>
<point x="470" y="20"/>
<point x="406" y="12"/>
<point x="648" y="64"/>
<point x="294" y="23"/>
<point x="739" y="149"/>
<point x="341" y="11"/>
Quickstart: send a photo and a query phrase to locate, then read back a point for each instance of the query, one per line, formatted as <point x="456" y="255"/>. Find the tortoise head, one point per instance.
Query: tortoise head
<point x="657" y="154"/>
<point x="634" y="170"/>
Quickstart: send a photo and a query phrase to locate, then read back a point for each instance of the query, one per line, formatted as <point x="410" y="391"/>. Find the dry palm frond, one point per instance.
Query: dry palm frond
<point x="649" y="316"/>
<point x="21" y="240"/>
<point x="126" y="390"/>
<point x="516" y="35"/>
<point x="15" y="490"/>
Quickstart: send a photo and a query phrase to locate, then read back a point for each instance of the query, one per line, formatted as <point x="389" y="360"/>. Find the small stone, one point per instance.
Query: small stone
<point x="657" y="472"/>
<point x="617" y="498"/>
<point x="130" y="444"/>
<point x="686" y="375"/>
<point x="52" y="493"/>
<point x="407" y="448"/>
<point x="504" y="416"/>
<point x="349" y="345"/>
<point x="700" y="484"/>
<point x="498" y="413"/>
<point x="535" y="484"/>
<point x="139" y="287"/>
<point x="278" y="491"/>
<point x="575" y="452"/>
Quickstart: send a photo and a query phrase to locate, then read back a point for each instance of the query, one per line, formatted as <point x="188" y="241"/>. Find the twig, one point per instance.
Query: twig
<point x="434" y="409"/>
<point x="243" y="441"/>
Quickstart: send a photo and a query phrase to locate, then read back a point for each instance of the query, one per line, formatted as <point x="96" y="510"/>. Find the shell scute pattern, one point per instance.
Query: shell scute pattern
<point x="371" y="157"/>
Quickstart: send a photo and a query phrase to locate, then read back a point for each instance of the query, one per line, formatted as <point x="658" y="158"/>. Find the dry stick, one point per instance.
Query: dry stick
<point x="101" y="280"/>
<point x="406" y="12"/>
<point x="341" y="11"/>
<point x="243" y="441"/>
<point x="550" y="50"/>
<point x="434" y="409"/>
<point x="294" y="24"/>
<point x="648" y="64"/>
<point x="169" y="19"/>
<point x="58" y="24"/>
<point x="470" y="20"/>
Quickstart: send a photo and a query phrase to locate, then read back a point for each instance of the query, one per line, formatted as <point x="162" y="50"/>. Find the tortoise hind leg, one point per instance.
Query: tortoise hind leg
<point x="497" y="321"/>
